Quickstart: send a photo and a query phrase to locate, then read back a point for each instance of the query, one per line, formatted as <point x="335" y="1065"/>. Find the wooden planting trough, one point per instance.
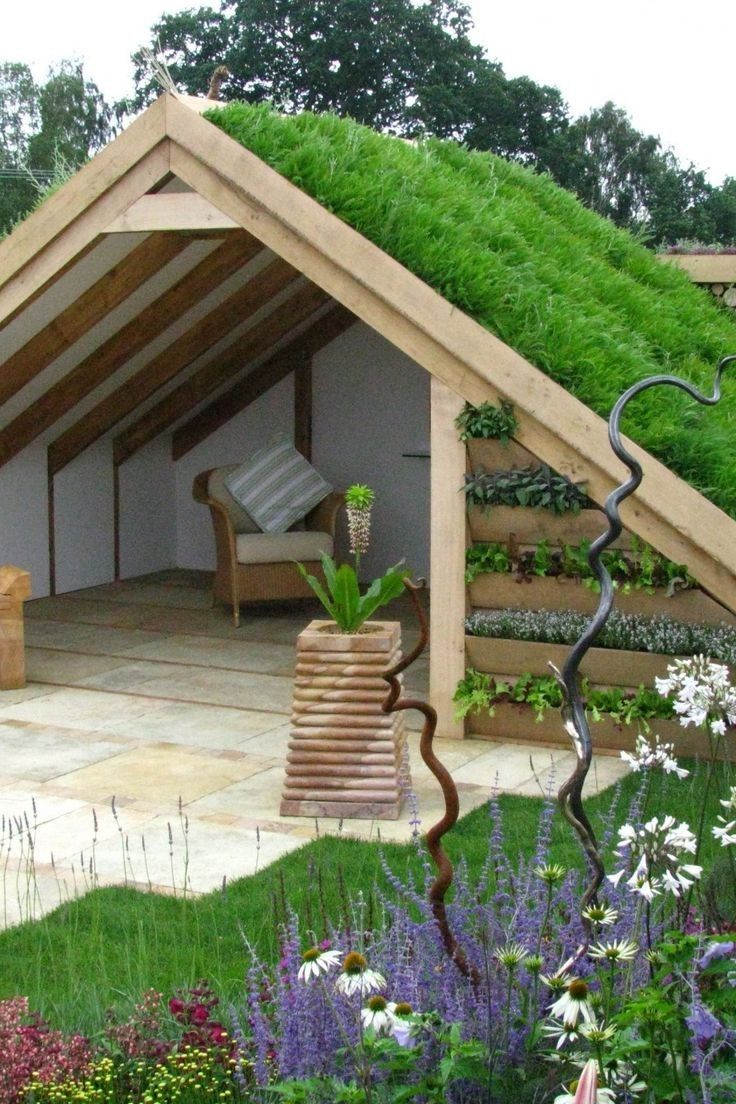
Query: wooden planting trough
<point x="499" y="591"/>
<point x="525" y="525"/>
<point x="515" y="722"/>
<point x="602" y="666"/>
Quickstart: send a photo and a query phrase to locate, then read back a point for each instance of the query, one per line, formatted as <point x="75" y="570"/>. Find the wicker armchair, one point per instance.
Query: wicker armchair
<point x="254" y="566"/>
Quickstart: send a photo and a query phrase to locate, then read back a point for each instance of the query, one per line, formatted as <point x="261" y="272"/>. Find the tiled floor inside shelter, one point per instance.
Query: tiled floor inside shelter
<point x="151" y="739"/>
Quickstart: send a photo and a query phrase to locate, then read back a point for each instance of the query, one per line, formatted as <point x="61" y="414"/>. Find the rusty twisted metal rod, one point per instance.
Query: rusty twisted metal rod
<point x="393" y="703"/>
<point x="573" y="711"/>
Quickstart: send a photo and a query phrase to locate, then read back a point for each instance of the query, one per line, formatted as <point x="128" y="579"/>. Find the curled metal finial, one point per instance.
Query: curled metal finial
<point x="393" y="703"/>
<point x="573" y="711"/>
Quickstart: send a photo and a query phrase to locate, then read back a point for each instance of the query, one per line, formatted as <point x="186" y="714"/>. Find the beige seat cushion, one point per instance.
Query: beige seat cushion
<point x="241" y="519"/>
<point x="281" y="547"/>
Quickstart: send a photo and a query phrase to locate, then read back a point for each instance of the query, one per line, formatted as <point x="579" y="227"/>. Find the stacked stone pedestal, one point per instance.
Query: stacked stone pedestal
<point x="345" y="755"/>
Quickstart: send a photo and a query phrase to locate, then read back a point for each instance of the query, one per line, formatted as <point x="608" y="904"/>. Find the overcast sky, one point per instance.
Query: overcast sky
<point x="669" y="63"/>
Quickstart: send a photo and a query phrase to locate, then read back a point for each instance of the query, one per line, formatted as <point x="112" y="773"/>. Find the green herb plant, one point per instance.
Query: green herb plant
<point x="540" y="488"/>
<point x="477" y="692"/>
<point x="487" y="421"/>
<point x="341" y="595"/>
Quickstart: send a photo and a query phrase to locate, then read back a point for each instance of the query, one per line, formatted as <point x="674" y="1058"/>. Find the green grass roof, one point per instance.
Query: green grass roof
<point x="579" y="298"/>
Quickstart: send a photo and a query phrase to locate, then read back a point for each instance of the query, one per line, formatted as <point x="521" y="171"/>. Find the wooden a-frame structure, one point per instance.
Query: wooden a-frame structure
<point x="311" y="278"/>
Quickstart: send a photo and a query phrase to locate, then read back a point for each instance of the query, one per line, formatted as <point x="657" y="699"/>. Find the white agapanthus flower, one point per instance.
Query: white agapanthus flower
<point x="658" y="849"/>
<point x="726" y="831"/>
<point x="702" y="693"/>
<point x="648" y="756"/>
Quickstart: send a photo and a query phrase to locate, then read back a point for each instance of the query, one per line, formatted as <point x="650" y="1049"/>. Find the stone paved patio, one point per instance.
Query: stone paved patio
<point x="141" y="692"/>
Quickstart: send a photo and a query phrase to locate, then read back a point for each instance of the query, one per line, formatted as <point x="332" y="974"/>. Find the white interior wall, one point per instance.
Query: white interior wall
<point x="24" y="539"/>
<point x="235" y="441"/>
<point x="147" y="510"/>
<point x="83" y="513"/>
<point x="371" y="405"/>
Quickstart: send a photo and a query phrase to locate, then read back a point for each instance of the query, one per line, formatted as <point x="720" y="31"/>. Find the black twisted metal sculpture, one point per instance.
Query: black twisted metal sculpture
<point x="573" y="710"/>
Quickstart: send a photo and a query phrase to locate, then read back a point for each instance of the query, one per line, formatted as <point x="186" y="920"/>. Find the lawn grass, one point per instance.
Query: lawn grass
<point x="105" y="949"/>
<point x="576" y="296"/>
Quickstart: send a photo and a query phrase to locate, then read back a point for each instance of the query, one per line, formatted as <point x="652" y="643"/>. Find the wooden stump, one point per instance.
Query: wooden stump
<point x="15" y="587"/>
<point x="345" y="754"/>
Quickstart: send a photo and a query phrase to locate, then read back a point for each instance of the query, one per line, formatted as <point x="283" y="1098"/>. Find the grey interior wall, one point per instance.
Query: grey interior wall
<point x="148" y="510"/>
<point x="235" y="441"/>
<point x="371" y="407"/>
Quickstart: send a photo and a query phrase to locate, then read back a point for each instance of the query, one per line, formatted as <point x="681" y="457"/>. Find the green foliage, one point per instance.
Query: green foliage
<point x="46" y="131"/>
<point x="642" y="568"/>
<point x="540" y="488"/>
<point x="569" y="291"/>
<point x="359" y="496"/>
<point x="487" y="421"/>
<point x="477" y="692"/>
<point x="343" y="600"/>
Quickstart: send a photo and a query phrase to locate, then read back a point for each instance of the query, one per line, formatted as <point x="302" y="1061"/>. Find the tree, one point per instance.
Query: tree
<point x="45" y="127"/>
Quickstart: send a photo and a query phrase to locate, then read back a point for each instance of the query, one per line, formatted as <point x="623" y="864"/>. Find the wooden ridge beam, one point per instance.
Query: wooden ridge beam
<point x="294" y="357"/>
<point x="178" y="211"/>
<point x="85" y="312"/>
<point x="33" y="256"/>
<point x="170" y="361"/>
<point x="555" y="426"/>
<point x="254" y="343"/>
<point x="118" y="349"/>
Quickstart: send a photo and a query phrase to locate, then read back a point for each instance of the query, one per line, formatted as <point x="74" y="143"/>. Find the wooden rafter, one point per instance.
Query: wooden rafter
<point x="65" y="225"/>
<point x="117" y="350"/>
<point x="179" y="211"/>
<point x="294" y="357"/>
<point x="182" y="352"/>
<point x="254" y="343"/>
<point x="85" y="312"/>
<point x="556" y="426"/>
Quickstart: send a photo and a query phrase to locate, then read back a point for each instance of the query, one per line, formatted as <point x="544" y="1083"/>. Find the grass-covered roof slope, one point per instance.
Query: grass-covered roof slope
<point x="574" y="295"/>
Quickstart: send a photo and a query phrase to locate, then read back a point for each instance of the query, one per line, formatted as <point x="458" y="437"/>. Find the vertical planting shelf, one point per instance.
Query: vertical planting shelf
<point x="520" y="529"/>
<point x="345" y="754"/>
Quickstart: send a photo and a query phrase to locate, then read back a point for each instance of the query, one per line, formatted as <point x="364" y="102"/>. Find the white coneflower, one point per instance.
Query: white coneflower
<point x="359" y="501"/>
<point x="597" y="1033"/>
<point x="377" y="1014"/>
<point x="562" y="1032"/>
<point x="551" y="873"/>
<point x="616" y="950"/>
<point x="357" y="978"/>
<point x="316" y="961"/>
<point x="404" y="1025"/>
<point x="574" y="1002"/>
<point x="511" y="955"/>
<point x="600" y="914"/>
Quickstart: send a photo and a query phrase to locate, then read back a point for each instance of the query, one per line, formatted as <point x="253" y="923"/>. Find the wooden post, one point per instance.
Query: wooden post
<point x="52" y="531"/>
<point x="447" y="559"/>
<point x="303" y="409"/>
<point x="15" y="587"/>
<point x="116" y="518"/>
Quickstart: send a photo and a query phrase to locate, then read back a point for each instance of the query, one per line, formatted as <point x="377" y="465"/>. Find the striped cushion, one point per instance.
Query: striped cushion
<point x="277" y="486"/>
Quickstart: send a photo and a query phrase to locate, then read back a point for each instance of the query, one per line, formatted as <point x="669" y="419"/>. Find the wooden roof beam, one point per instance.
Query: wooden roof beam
<point x="260" y="380"/>
<point x="178" y="211"/>
<point x="205" y="333"/>
<point x="68" y="221"/>
<point x="207" y="379"/>
<point x="555" y="426"/>
<point x="85" y="312"/>
<point x="118" y="349"/>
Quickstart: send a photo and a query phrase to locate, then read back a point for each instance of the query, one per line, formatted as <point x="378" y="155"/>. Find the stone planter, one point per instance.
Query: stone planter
<point x="345" y="754"/>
